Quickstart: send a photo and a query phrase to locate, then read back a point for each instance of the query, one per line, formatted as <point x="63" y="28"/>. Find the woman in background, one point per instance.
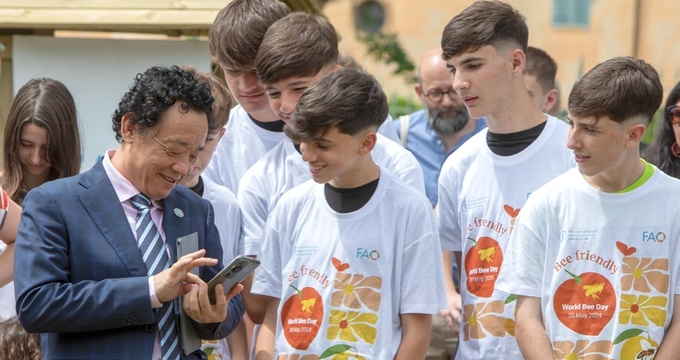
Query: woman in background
<point x="42" y="143"/>
<point x="664" y="152"/>
<point x="42" y="140"/>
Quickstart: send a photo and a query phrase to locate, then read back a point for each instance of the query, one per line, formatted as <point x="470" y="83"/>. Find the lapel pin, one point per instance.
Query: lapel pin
<point x="179" y="213"/>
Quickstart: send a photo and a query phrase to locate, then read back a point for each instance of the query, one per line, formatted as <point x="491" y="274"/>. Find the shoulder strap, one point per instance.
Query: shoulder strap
<point x="403" y="128"/>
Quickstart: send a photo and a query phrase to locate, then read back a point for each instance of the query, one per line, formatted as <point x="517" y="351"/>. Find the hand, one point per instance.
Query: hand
<point x="452" y="313"/>
<point x="197" y="303"/>
<point x="168" y="283"/>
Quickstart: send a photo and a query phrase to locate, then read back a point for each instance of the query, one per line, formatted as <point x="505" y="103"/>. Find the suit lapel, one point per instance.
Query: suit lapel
<point x="103" y="206"/>
<point x="175" y="220"/>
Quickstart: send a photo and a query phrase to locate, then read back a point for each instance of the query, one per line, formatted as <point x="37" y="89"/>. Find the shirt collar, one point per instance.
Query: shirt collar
<point x="122" y="186"/>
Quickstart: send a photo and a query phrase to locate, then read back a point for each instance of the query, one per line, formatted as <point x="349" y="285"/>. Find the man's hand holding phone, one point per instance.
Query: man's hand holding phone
<point x="203" y="302"/>
<point x="197" y="302"/>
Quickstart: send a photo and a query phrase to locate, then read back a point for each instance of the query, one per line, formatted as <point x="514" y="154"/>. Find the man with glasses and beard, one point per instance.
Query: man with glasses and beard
<point x="433" y="133"/>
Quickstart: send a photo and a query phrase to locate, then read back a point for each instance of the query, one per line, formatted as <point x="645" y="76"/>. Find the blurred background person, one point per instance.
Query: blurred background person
<point x="539" y="77"/>
<point x="433" y="133"/>
<point x="42" y="143"/>
<point x="664" y="152"/>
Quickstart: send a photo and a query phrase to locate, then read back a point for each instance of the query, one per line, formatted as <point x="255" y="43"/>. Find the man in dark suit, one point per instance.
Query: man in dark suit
<point x="96" y="268"/>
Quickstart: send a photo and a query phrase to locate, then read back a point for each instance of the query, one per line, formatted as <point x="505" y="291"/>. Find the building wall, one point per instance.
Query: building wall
<point x="610" y="33"/>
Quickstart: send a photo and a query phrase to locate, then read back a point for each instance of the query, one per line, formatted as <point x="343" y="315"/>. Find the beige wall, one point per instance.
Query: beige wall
<point x="611" y="33"/>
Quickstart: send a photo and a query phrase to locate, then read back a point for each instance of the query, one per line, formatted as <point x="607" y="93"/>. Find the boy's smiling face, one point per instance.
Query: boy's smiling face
<point x="284" y="94"/>
<point x="333" y="157"/>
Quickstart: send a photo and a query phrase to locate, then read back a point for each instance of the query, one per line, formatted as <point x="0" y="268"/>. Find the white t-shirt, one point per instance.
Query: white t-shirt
<point x="283" y="169"/>
<point x="7" y="302"/>
<point x="229" y="224"/>
<point x="355" y="272"/>
<point x="244" y="143"/>
<point x="228" y="219"/>
<point x="241" y="146"/>
<point x="480" y="194"/>
<point x="622" y="247"/>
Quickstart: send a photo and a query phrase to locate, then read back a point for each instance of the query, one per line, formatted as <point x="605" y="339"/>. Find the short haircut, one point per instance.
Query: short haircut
<point x="619" y="88"/>
<point x="349" y="99"/>
<point x="238" y="29"/>
<point x="300" y="44"/>
<point x="348" y="61"/>
<point x="156" y="90"/>
<point x="222" y="104"/>
<point x="542" y="66"/>
<point x="484" y="23"/>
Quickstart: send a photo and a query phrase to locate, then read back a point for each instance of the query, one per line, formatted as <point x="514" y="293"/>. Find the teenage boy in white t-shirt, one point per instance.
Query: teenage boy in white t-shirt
<point x="594" y="258"/>
<point x="484" y="184"/>
<point x="227" y="213"/>
<point x="295" y="52"/>
<point x="253" y="128"/>
<point x="350" y="260"/>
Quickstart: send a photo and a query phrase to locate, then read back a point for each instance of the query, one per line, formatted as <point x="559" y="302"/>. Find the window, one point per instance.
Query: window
<point x="571" y="12"/>
<point x="370" y="16"/>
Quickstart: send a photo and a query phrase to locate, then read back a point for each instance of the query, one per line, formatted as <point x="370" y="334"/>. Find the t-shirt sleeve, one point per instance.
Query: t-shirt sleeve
<point x="422" y="285"/>
<point x="523" y="263"/>
<point x="254" y="211"/>
<point x="413" y="175"/>
<point x="267" y="279"/>
<point x="447" y="211"/>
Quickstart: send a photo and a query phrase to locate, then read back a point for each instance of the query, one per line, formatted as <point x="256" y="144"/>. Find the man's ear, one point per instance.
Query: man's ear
<point x="222" y="131"/>
<point x="419" y="90"/>
<point x="336" y="67"/>
<point x="550" y="101"/>
<point x="635" y="133"/>
<point x="368" y="143"/>
<point x="127" y="128"/>
<point x="518" y="61"/>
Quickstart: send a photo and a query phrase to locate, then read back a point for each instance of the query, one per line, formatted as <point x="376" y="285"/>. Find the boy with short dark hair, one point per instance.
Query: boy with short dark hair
<point x="227" y="213"/>
<point x="539" y="78"/>
<point x="343" y="256"/>
<point x="484" y="184"/>
<point x="285" y="60"/>
<point x="593" y="261"/>
<point x="253" y="128"/>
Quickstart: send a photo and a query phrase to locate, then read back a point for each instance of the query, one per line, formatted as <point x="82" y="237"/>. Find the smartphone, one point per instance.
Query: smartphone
<point x="232" y="274"/>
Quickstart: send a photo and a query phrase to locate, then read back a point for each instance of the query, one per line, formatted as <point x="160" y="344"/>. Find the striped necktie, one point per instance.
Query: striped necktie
<point x="156" y="259"/>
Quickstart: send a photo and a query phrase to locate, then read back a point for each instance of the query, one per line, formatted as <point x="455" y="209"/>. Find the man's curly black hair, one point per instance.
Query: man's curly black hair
<point x="157" y="89"/>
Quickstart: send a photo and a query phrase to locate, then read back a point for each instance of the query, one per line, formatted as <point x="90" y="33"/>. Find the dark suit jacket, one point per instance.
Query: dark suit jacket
<point x="79" y="275"/>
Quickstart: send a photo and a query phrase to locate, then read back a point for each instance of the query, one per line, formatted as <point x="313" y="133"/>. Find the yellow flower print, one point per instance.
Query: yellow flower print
<point x="643" y="309"/>
<point x="354" y="290"/>
<point x="640" y="273"/>
<point x="349" y="325"/>
<point x="582" y="350"/>
<point x="348" y="356"/>
<point x="483" y="316"/>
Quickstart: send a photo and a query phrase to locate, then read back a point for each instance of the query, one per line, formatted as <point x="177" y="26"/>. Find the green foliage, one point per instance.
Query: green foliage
<point x="402" y="105"/>
<point x="386" y="48"/>
<point x="651" y="129"/>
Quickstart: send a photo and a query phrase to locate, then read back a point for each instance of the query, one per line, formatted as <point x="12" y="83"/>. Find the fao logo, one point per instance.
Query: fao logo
<point x="563" y="235"/>
<point x="652" y="236"/>
<point x="463" y="206"/>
